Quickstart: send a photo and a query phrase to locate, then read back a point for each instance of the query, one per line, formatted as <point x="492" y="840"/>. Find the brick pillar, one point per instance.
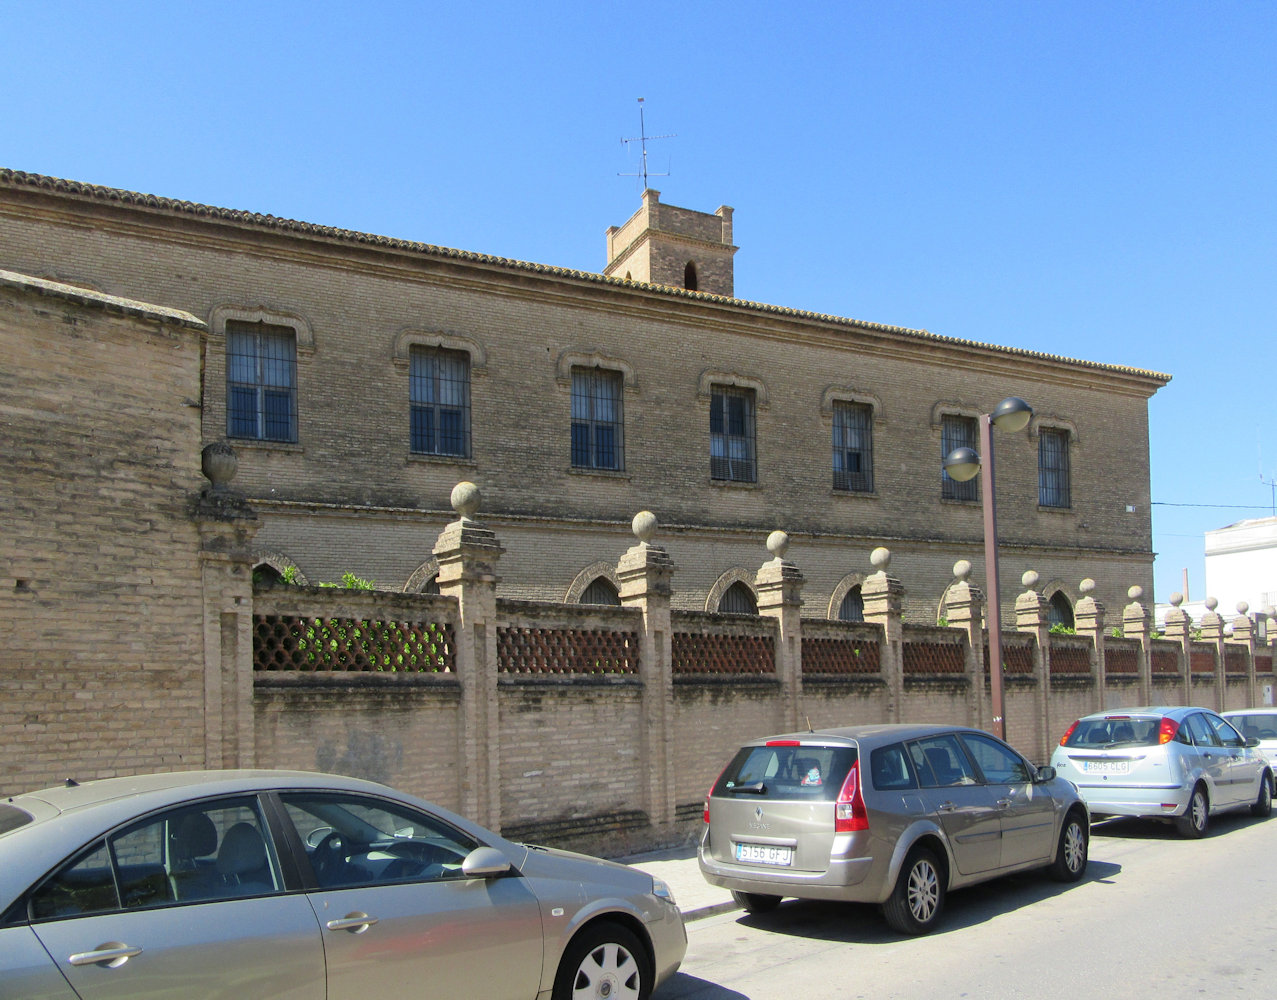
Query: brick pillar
<point x="226" y="524"/>
<point x="1088" y="620"/>
<point x="645" y="573"/>
<point x="1244" y="635"/>
<point x="779" y="586"/>
<point x="884" y="600"/>
<point x="467" y="553"/>
<point x="1136" y="624"/>
<point x="1179" y="626"/>
<point x="964" y="609"/>
<point x="1212" y="626"/>
<point x="1031" y="617"/>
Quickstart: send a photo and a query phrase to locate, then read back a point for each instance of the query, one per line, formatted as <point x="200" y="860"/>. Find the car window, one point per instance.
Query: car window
<point x="214" y="850"/>
<point x="1115" y="730"/>
<point x="1201" y="732"/>
<point x="787" y="771"/>
<point x="1228" y="736"/>
<point x="890" y="768"/>
<point x="941" y="762"/>
<point x="1260" y="725"/>
<point x="999" y="764"/>
<point x="359" y="840"/>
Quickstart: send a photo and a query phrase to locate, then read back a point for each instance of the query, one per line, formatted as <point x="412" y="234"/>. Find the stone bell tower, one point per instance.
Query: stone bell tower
<point x="666" y="245"/>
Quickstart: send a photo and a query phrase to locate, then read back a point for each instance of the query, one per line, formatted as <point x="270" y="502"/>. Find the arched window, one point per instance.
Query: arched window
<point x="689" y="277"/>
<point x="738" y="599"/>
<point x="431" y="586"/>
<point x="601" y="591"/>
<point x="852" y="608"/>
<point x="1059" y="611"/>
<point x="266" y="575"/>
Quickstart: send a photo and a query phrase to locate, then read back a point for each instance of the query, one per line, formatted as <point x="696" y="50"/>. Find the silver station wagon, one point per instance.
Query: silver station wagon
<point x="1178" y="763"/>
<point x="277" y="885"/>
<point x="896" y="815"/>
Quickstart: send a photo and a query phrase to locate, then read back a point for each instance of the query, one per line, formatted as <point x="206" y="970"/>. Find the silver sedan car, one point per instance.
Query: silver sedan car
<point x="300" y="886"/>
<point x="1172" y="762"/>
<point x="891" y="814"/>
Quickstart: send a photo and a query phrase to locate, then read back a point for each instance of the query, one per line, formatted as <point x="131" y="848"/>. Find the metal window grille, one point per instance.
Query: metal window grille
<point x="852" y="608"/>
<point x="957" y="432"/>
<point x="738" y="599"/>
<point x="1053" y="469"/>
<point x="601" y="591"/>
<point x="731" y="435"/>
<point x="439" y="397"/>
<point x="853" y="447"/>
<point x="1059" y="611"/>
<point x="261" y="382"/>
<point x="598" y="430"/>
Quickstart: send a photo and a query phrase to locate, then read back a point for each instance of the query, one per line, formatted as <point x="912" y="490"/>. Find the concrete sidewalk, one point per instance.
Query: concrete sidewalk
<point x="677" y="867"/>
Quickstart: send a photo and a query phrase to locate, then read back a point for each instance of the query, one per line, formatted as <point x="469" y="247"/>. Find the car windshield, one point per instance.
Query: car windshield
<point x="1260" y="725"/>
<point x="785" y="771"/>
<point x="1114" y="731"/>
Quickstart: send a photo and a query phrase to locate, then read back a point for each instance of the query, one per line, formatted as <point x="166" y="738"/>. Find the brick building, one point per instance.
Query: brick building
<point x="360" y="377"/>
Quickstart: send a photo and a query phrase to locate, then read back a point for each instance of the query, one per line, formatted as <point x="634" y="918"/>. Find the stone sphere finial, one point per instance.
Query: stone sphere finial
<point x="778" y="544"/>
<point x="1135" y="593"/>
<point x="1087" y="586"/>
<point x="465" y="499"/>
<point x="1176" y="599"/>
<point x="644" y="526"/>
<point x="219" y="464"/>
<point x="880" y="558"/>
<point x="1270" y="612"/>
<point x="962" y="569"/>
<point x="1243" y="607"/>
<point x="1211" y="603"/>
<point x="1030" y="579"/>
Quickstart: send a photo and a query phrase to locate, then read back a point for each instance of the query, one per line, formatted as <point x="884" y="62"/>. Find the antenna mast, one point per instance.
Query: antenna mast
<point x="642" y="139"/>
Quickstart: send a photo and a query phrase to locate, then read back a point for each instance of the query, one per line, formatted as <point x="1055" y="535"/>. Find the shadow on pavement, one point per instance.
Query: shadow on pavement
<point x="1130" y="828"/>
<point x="681" y="986"/>
<point x="863" y="924"/>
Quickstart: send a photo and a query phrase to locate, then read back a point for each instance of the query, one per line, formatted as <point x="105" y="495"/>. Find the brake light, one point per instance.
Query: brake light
<point x="711" y="792"/>
<point x="849" y="810"/>
<point x="783" y="743"/>
<point x="1167" y="730"/>
<point x="1069" y="732"/>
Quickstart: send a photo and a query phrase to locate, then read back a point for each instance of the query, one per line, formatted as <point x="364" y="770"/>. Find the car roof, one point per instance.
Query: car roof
<point x="1266" y="710"/>
<point x="875" y="732"/>
<point x="1171" y="711"/>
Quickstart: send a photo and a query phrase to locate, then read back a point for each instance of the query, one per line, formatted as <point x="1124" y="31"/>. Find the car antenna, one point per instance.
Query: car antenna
<point x="72" y="783"/>
<point x="809" y="729"/>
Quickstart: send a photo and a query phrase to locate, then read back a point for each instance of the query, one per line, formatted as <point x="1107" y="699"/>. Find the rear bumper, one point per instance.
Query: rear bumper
<point x="1135" y="800"/>
<point x="845" y="879"/>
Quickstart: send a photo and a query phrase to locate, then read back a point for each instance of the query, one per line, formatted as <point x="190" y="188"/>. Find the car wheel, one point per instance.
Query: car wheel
<point x="604" y="961"/>
<point x="1070" y="856"/>
<point x="755" y="902"/>
<point x="916" y="901"/>
<point x="1195" y="818"/>
<point x="1263" y="805"/>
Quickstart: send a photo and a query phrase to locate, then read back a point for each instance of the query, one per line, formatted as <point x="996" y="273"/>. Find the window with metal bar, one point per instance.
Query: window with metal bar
<point x="439" y="395"/>
<point x="957" y="432"/>
<point x="852" y="608"/>
<point x="731" y="434"/>
<point x="1053" y="468"/>
<point x="598" y="430"/>
<point x="853" y="447"/>
<point x="738" y="599"/>
<point x="261" y="381"/>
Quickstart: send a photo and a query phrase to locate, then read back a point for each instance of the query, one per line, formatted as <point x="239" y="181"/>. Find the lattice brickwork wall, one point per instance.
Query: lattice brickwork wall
<point x="526" y="650"/>
<point x="1165" y="661"/>
<point x="698" y="653"/>
<point x="933" y="658"/>
<point x="1234" y="660"/>
<point x="1202" y="659"/>
<point x="1070" y="660"/>
<point x="283" y="642"/>
<point x="840" y="657"/>
<point x="1121" y="660"/>
<point x="1263" y="663"/>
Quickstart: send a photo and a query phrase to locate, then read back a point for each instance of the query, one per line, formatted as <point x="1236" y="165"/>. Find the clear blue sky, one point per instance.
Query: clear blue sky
<point x="1088" y="179"/>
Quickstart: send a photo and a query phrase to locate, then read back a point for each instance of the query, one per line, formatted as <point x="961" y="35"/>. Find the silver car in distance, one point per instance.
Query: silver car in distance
<point x="896" y="815"/>
<point x="286" y="885"/>
<point x="1177" y="763"/>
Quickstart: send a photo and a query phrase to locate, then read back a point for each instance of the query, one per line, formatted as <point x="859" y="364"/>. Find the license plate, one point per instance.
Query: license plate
<point x="764" y="854"/>
<point x="1106" y="766"/>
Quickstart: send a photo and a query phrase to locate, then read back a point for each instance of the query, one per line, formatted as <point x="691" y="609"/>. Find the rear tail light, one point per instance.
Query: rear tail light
<point x="1166" y="732"/>
<point x="711" y="792"/>
<point x="1068" y="732"/>
<point x="849" y="810"/>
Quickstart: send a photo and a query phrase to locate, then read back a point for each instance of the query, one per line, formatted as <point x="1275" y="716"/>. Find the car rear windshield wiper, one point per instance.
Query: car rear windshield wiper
<point x="757" y="788"/>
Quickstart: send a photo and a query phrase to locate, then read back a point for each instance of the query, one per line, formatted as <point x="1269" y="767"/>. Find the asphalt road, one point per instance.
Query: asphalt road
<point x="1156" y="918"/>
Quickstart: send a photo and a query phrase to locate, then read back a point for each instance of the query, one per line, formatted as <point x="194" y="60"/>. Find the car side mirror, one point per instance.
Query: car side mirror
<point x="485" y="862"/>
<point x="1252" y="741"/>
<point x="1046" y="773"/>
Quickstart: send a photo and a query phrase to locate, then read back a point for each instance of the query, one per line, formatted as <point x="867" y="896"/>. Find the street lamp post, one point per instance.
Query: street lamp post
<point x="1012" y="414"/>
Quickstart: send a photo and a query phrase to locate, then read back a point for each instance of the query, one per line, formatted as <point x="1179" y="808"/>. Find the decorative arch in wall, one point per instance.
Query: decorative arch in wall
<point x="406" y="340"/>
<point x="423" y="579"/>
<point x="690" y="281"/>
<point x="279" y="563"/>
<point x="724" y="583"/>
<point x="849" y="583"/>
<point x="221" y="315"/>
<point x="569" y="359"/>
<point x="1059" y="608"/>
<point x="587" y="577"/>
<point x="849" y="394"/>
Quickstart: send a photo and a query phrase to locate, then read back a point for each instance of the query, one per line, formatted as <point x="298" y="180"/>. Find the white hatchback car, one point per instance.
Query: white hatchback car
<point x="1178" y="763"/>
<point x="1259" y="724"/>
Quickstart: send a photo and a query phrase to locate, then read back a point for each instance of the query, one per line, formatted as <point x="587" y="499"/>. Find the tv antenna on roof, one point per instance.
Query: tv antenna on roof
<point x="642" y="139"/>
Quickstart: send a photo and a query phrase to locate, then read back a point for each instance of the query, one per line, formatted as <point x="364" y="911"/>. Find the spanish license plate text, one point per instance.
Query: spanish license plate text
<point x="762" y="854"/>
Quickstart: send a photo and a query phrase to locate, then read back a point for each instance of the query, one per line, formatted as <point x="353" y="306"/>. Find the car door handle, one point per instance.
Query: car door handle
<point x="946" y="807"/>
<point x="356" y="922"/>
<point x="112" y="955"/>
<point x="1003" y="803"/>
